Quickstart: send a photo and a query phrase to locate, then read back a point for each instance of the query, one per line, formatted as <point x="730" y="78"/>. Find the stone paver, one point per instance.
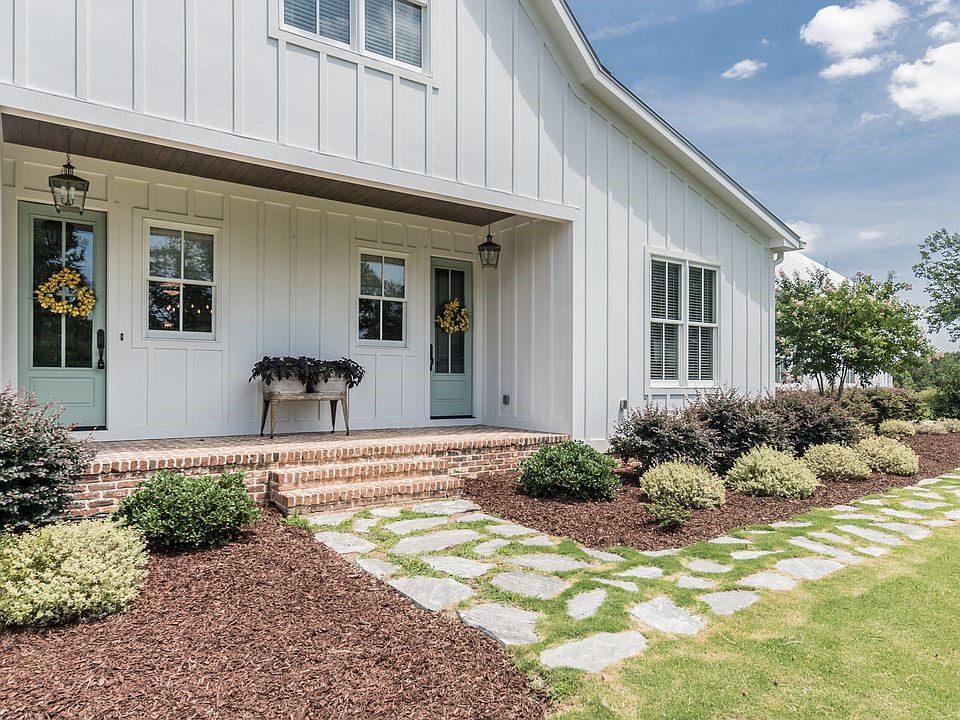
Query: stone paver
<point x="595" y="653"/>
<point x="937" y="523"/>
<point x="873" y="551"/>
<point x="824" y="549"/>
<point x="727" y="603"/>
<point x="378" y="568"/>
<point x="602" y="555"/>
<point x="344" y="543"/>
<point x="832" y="537"/>
<point x="844" y="508"/>
<point x="903" y="514"/>
<point x="707" y="566"/>
<point x="490" y="547"/>
<point x="510" y="530"/>
<point x="505" y="624"/>
<point x="330" y="519"/>
<point x="809" y="568"/>
<point x="688" y="582"/>
<point x="911" y="531"/>
<point x="586" y="604"/>
<point x="364" y="525"/>
<point x="461" y="567"/>
<point x="923" y="504"/>
<point x="874" y="536"/>
<point x="539" y="541"/>
<point x="752" y="554"/>
<point x="790" y="524"/>
<point x="445" y="507"/>
<point x="434" y="541"/>
<point x="760" y="532"/>
<point x="768" y="581"/>
<point x="432" y="593"/>
<point x="387" y="512"/>
<point x="478" y="517"/>
<point x="644" y="572"/>
<point x="549" y="563"/>
<point x="664" y="615"/>
<point x="622" y="584"/>
<point x="927" y="495"/>
<point x="530" y="585"/>
<point x="727" y="540"/>
<point x="858" y="516"/>
<point x="660" y="553"/>
<point x="405" y="527"/>
<point x="952" y="515"/>
<point x="873" y="502"/>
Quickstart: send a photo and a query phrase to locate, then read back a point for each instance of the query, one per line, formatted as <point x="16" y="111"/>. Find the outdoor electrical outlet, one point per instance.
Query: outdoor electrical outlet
<point x="624" y="405"/>
<point x="506" y="399"/>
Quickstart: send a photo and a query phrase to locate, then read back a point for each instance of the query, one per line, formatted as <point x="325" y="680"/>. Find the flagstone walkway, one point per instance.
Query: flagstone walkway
<point x="588" y="609"/>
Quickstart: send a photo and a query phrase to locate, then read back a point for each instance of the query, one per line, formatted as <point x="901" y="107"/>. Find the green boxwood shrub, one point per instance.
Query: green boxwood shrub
<point x="669" y="515"/>
<point x="684" y="484"/>
<point x="886" y="455"/>
<point x="654" y="435"/>
<point x="570" y="469"/>
<point x="932" y="427"/>
<point x="770" y="472"/>
<point x="70" y="572"/>
<point x="813" y="419"/>
<point x="179" y="512"/>
<point x="897" y="429"/>
<point x="874" y="405"/>
<point x="833" y="463"/>
<point x="39" y="462"/>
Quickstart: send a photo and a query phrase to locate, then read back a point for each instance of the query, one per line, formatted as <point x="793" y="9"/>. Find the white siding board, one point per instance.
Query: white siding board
<point x="378" y="117"/>
<point x="213" y="63"/>
<point x="340" y="117"/>
<point x="109" y="48"/>
<point x="302" y="106"/>
<point x="500" y="94"/>
<point x="527" y="108"/>
<point x="164" y="59"/>
<point x="50" y="45"/>
<point x="412" y="120"/>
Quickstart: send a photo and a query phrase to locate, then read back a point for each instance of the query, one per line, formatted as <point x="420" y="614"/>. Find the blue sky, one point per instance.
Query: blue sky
<point x="843" y="119"/>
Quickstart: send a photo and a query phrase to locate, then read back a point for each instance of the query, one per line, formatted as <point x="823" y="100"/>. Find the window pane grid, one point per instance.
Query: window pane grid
<point x="382" y="304"/>
<point x="180" y="281"/>
<point x="692" y="318"/>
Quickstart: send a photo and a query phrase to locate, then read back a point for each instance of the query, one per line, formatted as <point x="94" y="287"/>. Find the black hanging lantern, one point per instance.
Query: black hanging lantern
<point x="69" y="191"/>
<point x="489" y="252"/>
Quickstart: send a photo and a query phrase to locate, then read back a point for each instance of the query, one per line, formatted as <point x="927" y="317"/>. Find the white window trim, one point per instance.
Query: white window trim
<point x="683" y="380"/>
<point x="175" y="335"/>
<point x="356" y="50"/>
<point x="358" y="296"/>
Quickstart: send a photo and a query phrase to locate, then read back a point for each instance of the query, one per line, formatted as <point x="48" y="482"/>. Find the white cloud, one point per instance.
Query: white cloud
<point x="938" y="7"/>
<point x="852" y="67"/>
<point x="870" y="235"/>
<point x="653" y="16"/>
<point x="944" y="31"/>
<point x="810" y="233"/>
<point x="930" y="87"/>
<point x="849" y="31"/>
<point x="869" y="117"/>
<point x="744" y="70"/>
<point x="765" y="41"/>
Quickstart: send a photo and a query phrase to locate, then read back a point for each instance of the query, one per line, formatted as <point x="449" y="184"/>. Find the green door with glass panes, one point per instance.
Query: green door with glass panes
<point x="62" y="347"/>
<point x="451" y="353"/>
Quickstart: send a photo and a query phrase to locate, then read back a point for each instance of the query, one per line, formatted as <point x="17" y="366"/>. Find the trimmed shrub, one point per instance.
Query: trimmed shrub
<point x="570" y="469"/>
<point x="813" y="419"/>
<point x="179" y="512"/>
<point x="39" y="462"/>
<point x="836" y="463"/>
<point x="655" y="435"/>
<point x="738" y="423"/>
<point x="874" y="405"/>
<point x="886" y="455"/>
<point x="896" y="429"/>
<point x="683" y="484"/>
<point x="70" y="572"/>
<point x="862" y="431"/>
<point x="951" y="424"/>
<point x="932" y="427"/>
<point x="669" y="515"/>
<point x="770" y="472"/>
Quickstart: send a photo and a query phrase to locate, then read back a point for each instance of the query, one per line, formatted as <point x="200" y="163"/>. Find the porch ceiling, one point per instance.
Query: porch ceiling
<point x="103" y="146"/>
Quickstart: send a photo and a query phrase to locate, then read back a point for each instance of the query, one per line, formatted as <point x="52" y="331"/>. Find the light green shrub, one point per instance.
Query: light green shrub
<point x="890" y="456"/>
<point x="685" y="484"/>
<point x="897" y="429"/>
<point x="769" y="472"/>
<point x="931" y="427"/>
<point x="862" y="431"/>
<point x="833" y="463"/>
<point x="951" y="424"/>
<point x="71" y="572"/>
<point x="668" y="514"/>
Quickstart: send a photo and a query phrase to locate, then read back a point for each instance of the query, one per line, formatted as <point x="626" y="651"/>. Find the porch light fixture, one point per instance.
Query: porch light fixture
<point x="489" y="252"/>
<point x="69" y="191"/>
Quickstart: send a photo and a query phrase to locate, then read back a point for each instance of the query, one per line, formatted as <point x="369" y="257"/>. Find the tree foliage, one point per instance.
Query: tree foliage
<point x="860" y="325"/>
<point x="940" y="266"/>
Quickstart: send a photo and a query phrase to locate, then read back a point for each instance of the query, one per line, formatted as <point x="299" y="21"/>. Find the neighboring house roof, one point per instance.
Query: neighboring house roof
<point x="796" y="263"/>
<point x="597" y="78"/>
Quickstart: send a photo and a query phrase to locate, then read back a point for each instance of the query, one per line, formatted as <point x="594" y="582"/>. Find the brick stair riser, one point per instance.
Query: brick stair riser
<point x="300" y="478"/>
<point x="366" y="495"/>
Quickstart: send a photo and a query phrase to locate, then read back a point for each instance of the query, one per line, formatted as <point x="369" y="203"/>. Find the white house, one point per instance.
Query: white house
<point x="246" y="158"/>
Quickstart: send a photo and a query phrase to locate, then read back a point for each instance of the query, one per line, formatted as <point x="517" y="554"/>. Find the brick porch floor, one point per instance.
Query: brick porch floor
<point x="310" y="472"/>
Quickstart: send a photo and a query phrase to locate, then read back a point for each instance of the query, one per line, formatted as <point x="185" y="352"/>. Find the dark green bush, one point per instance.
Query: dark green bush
<point x="179" y="512"/>
<point x="813" y="419"/>
<point x="654" y="435"/>
<point x="39" y="462"/>
<point x="569" y="469"/>
<point x="874" y="405"/>
<point x="738" y="423"/>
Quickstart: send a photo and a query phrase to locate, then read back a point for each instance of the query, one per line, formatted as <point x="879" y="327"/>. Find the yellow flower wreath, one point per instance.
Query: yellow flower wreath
<point x="454" y="318"/>
<point x="48" y="294"/>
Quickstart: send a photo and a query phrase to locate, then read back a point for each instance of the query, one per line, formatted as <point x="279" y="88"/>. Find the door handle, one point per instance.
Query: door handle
<point x="101" y="345"/>
<point x="431" y="357"/>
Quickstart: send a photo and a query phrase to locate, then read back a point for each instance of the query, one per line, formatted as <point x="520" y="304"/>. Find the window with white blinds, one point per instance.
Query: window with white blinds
<point x="392" y="29"/>
<point x="683" y="322"/>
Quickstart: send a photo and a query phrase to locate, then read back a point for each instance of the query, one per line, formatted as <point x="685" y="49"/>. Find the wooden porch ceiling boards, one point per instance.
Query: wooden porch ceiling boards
<point x="103" y="146"/>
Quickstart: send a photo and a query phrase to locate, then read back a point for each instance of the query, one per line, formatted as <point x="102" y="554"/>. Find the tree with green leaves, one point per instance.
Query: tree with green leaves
<point x="940" y="266"/>
<point x="862" y="325"/>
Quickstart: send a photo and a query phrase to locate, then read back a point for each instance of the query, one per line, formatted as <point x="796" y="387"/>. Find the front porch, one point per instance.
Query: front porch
<point x="309" y="472"/>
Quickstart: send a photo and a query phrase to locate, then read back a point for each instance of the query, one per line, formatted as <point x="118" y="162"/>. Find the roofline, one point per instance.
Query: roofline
<point x="780" y="236"/>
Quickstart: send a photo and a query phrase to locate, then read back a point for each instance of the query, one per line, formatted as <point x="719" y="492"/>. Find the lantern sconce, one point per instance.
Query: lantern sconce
<point x="69" y="191"/>
<point x="489" y="252"/>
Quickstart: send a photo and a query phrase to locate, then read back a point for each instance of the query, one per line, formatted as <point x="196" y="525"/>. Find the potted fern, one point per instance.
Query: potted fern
<point x="286" y="375"/>
<point x="334" y="375"/>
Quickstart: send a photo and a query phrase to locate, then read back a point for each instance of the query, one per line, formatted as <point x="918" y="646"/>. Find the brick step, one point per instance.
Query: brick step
<point x="313" y="476"/>
<point x="366" y="494"/>
<point x="345" y="452"/>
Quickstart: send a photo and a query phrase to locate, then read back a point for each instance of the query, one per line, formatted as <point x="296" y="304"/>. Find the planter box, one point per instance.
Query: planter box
<point x="331" y="385"/>
<point x="290" y="386"/>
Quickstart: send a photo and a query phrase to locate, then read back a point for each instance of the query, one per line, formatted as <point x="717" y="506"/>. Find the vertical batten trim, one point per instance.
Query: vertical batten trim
<point x="360" y="147"/>
<point x="282" y="92"/>
<point x="237" y="67"/>
<point x="322" y="130"/>
<point x="395" y="99"/>
<point x="80" y="49"/>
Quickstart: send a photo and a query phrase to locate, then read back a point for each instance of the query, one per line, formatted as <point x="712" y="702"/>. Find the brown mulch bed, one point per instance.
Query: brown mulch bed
<point x="626" y="522"/>
<point x="275" y="626"/>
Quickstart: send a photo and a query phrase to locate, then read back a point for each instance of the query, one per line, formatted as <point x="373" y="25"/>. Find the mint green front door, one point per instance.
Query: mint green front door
<point x="61" y="358"/>
<point x="451" y="357"/>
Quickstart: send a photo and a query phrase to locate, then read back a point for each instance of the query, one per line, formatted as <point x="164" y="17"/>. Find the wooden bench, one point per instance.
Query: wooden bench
<point x="272" y="400"/>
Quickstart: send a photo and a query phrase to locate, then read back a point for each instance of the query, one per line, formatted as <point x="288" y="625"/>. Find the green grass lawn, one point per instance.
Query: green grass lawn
<point x="880" y="641"/>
